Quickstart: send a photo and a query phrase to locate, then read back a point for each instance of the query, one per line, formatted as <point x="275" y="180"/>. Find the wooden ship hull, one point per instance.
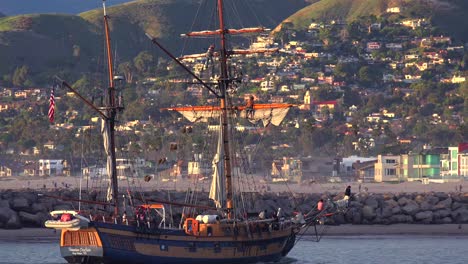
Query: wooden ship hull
<point x="115" y="243"/>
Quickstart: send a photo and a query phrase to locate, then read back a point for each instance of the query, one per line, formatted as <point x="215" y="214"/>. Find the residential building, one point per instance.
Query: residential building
<point x="463" y="160"/>
<point x="49" y="167"/>
<point x="365" y="171"/>
<point x="5" y="171"/>
<point x="290" y="170"/>
<point x="387" y="168"/>
<point x="449" y="163"/>
<point x="416" y="166"/>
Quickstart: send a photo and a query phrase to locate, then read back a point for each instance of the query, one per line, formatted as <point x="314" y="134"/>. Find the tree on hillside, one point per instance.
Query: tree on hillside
<point x="369" y="75"/>
<point x="143" y="63"/>
<point x="20" y="75"/>
<point x="127" y="69"/>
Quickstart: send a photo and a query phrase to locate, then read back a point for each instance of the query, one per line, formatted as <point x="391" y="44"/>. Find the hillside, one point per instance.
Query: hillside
<point x="45" y="42"/>
<point x="448" y="15"/>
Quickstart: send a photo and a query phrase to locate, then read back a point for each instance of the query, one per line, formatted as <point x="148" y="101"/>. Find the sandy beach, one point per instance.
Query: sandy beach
<point x="51" y="183"/>
<point x="26" y="234"/>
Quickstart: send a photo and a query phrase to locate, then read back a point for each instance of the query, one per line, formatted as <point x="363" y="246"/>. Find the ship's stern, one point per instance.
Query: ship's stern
<point x="81" y="246"/>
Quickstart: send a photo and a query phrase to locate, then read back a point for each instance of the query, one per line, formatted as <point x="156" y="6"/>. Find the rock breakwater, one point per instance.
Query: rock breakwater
<point x="30" y="209"/>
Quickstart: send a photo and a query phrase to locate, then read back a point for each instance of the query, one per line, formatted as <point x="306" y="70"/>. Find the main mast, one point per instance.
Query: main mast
<point x="223" y="86"/>
<point x="111" y="112"/>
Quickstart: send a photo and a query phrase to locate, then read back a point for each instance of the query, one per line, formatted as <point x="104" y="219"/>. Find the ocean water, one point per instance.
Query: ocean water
<point x="346" y="250"/>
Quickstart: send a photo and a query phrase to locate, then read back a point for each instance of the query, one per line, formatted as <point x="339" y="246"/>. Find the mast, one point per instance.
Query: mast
<point x="111" y="110"/>
<point x="223" y="85"/>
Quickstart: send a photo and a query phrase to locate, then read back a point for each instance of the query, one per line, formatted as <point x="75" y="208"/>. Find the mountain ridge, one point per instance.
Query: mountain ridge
<point x="73" y="38"/>
<point x="448" y="15"/>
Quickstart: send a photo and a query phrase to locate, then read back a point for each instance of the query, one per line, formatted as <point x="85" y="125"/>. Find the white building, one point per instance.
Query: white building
<point x="51" y="167"/>
<point x="387" y="168"/>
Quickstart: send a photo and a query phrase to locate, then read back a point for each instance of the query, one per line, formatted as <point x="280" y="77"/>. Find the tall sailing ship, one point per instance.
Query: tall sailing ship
<point x="228" y="234"/>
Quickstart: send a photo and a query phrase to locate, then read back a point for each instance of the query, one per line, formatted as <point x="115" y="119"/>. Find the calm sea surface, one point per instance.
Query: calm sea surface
<point x="347" y="250"/>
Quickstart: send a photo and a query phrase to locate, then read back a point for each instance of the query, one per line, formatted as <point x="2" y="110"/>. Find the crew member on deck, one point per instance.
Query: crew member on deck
<point x="249" y="107"/>
<point x="320" y="205"/>
<point x="209" y="56"/>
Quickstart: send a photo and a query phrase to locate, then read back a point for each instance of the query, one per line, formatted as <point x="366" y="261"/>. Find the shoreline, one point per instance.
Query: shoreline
<point x="60" y="182"/>
<point x="42" y="234"/>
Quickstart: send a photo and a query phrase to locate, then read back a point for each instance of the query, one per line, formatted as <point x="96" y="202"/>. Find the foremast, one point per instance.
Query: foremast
<point x="108" y="115"/>
<point x="111" y="110"/>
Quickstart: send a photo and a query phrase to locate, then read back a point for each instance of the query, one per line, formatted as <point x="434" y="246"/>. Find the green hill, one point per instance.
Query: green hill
<point x="49" y="42"/>
<point x="448" y="15"/>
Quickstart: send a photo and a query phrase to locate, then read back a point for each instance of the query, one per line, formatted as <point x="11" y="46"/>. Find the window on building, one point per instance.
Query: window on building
<point x="390" y="161"/>
<point x="390" y="171"/>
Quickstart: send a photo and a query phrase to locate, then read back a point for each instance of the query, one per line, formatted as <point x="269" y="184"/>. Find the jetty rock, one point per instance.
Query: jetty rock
<point x="27" y="208"/>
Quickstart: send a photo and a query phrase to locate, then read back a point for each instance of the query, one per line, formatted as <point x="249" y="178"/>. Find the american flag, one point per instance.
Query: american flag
<point x="52" y="106"/>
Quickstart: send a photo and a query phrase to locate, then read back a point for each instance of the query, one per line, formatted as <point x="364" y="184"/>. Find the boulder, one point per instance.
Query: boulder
<point x="372" y="202"/>
<point x="38" y="207"/>
<point x="426" y="206"/>
<point x="339" y="219"/>
<point x="356" y="216"/>
<point x="457" y="205"/>
<point x="4" y="204"/>
<point x="464" y="198"/>
<point x="410" y="208"/>
<point x="401" y="219"/>
<point x="13" y="223"/>
<point x="425" y="216"/>
<point x="381" y="221"/>
<point x="396" y="210"/>
<point x="386" y="212"/>
<point x="389" y="196"/>
<point x="391" y="203"/>
<point x="460" y="215"/>
<point x="354" y="204"/>
<point x="419" y="198"/>
<point x="442" y="213"/>
<point x="444" y="204"/>
<point x="441" y="195"/>
<point x="19" y="203"/>
<point x="431" y="199"/>
<point x="33" y="220"/>
<point x="5" y="214"/>
<point x="368" y="212"/>
<point x="403" y="201"/>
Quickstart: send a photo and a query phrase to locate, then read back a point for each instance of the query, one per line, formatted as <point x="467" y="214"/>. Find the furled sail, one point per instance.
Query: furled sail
<point x="105" y="131"/>
<point x="217" y="189"/>
<point x="265" y="113"/>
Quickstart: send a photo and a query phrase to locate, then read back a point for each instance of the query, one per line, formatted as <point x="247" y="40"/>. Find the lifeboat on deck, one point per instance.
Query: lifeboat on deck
<point x="64" y="219"/>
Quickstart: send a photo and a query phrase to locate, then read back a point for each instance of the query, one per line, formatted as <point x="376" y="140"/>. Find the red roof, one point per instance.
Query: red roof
<point x="333" y="102"/>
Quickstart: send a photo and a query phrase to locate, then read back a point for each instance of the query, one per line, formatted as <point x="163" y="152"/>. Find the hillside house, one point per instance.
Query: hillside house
<point x="393" y="10"/>
<point x="394" y="46"/>
<point x="371" y="46"/>
<point x="414" y="23"/>
<point x="458" y="79"/>
<point x="4" y="107"/>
